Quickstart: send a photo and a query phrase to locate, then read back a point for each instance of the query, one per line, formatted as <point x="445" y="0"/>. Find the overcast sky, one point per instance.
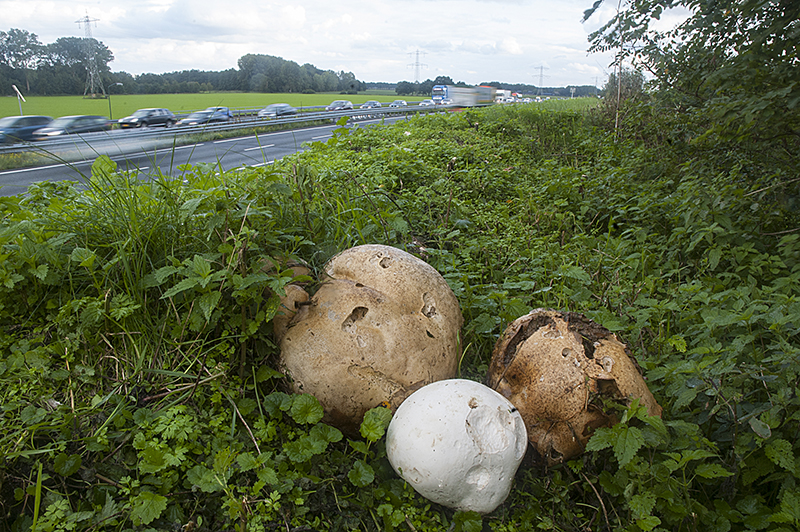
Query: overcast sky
<point x="513" y="41"/>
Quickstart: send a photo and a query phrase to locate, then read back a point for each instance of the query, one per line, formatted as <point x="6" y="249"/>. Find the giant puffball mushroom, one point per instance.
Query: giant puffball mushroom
<point x="555" y="367"/>
<point x="383" y="325"/>
<point x="458" y="443"/>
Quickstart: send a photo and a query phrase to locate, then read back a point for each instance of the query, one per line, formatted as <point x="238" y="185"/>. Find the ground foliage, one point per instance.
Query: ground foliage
<point x="139" y="383"/>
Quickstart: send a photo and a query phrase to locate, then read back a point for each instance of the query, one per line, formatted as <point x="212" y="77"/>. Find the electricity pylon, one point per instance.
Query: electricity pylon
<point x="94" y="83"/>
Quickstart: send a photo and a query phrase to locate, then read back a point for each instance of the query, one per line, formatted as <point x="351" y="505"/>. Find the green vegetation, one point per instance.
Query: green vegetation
<point x="138" y="369"/>
<point x="140" y="388"/>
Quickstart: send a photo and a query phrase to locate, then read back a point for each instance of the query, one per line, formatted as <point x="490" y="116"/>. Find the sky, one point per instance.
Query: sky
<point x="537" y="42"/>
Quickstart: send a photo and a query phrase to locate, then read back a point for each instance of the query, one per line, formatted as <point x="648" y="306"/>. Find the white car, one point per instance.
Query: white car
<point x="426" y="103"/>
<point x="398" y="103"/>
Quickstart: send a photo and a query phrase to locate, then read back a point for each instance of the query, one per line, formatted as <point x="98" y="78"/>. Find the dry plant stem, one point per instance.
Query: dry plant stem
<point x="182" y="388"/>
<point x="599" y="498"/>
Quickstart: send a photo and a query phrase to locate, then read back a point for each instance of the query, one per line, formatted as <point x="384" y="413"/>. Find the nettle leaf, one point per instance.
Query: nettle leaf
<point x="361" y="474"/>
<point x="208" y="302"/>
<point x="781" y="453"/>
<point x="40" y="272"/>
<point x="642" y="504"/>
<point x="188" y="208"/>
<point x="375" y="422"/>
<point x="84" y="257"/>
<point x="183" y="285"/>
<point x="648" y="523"/>
<point x="306" y="409"/>
<point x="601" y="439"/>
<point x="629" y="441"/>
<point x="147" y="507"/>
<point x="200" y="266"/>
<point x="712" y="471"/>
<point x="66" y="465"/>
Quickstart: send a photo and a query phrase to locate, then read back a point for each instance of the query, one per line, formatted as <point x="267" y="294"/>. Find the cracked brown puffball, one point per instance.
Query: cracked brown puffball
<point x="382" y="325"/>
<point x="556" y="367"/>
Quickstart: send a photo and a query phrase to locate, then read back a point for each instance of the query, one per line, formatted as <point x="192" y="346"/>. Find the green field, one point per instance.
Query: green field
<point x="125" y="104"/>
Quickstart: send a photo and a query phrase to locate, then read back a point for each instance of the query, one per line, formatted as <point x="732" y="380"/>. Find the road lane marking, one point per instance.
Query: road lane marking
<point x="260" y="147"/>
<point x="322" y="137"/>
<point x="233" y="140"/>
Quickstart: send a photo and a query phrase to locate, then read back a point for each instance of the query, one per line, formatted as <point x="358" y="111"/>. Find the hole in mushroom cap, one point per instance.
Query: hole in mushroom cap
<point x="566" y="352"/>
<point x="429" y="305"/>
<point x="430" y="335"/>
<point x="357" y="314"/>
<point x="385" y="262"/>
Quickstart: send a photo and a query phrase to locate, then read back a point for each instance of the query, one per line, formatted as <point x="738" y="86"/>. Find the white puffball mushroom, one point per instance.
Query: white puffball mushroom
<point x="458" y="443"/>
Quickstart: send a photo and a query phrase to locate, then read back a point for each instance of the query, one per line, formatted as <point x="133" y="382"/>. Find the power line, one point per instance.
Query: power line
<point x="416" y="64"/>
<point x="541" y="76"/>
<point x="94" y="83"/>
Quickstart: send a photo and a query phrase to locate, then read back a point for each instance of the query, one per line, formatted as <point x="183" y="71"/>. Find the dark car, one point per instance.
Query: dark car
<point x="339" y="105"/>
<point x="212" y="115"/>
<point x="371" y="104"/>
<point x="149" y="117"/>
<point x="21" y="128"/>
<point x="276" y="110"/>
<point x="72" y="124"/>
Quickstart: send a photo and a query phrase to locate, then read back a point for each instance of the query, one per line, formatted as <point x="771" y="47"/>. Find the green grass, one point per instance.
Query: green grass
<point x="125" y="104"/>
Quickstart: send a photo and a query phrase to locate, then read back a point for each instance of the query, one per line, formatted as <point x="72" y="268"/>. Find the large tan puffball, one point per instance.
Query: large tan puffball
<point x="383" y="325"/>
<point x="556" y="367"/>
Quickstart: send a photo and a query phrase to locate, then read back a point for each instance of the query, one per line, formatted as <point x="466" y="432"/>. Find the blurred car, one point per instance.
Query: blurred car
<point x="426" y="103"/>
<point x="66" y="125"/>
<point x="339" y="105"/>
<point x="398" y="103"/>
<point x="221" y="111"/>
<point x="212" y="115"/>
<point x="276" y="110"/>
<point x="21" y="128"/>
<point x="149" y="117"/>
<point x="371" y="104"/>
<point x="446" y="101"/>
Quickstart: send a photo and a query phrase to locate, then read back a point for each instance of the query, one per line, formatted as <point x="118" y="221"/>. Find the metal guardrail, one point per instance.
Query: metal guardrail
<point x="242" y="120"/>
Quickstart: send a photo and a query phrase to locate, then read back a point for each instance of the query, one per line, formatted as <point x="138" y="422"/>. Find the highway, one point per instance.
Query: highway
<point x="133" y="155"/>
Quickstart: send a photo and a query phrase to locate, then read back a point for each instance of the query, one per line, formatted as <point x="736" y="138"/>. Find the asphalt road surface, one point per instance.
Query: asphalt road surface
<point x="252" y="150"/>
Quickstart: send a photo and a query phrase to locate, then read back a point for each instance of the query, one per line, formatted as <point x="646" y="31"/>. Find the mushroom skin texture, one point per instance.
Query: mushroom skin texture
<point x="553" y="366"/>
<point x="458" y="443"/>
<point x="382" y="325"/>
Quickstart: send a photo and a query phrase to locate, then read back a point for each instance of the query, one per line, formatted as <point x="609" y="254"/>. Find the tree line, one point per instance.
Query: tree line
<point x="60" y="68"/>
